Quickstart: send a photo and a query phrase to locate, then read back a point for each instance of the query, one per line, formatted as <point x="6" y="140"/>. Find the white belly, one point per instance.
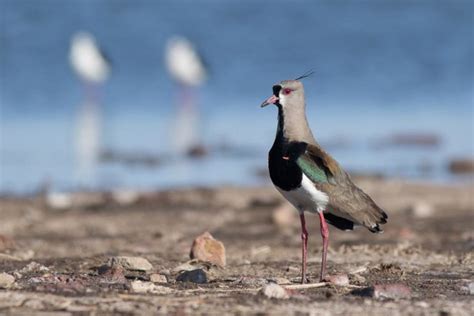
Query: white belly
<point x="306" y="197"/>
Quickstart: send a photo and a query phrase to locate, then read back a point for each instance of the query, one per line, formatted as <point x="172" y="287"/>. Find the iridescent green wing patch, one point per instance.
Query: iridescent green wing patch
<point x="311" y="169"/>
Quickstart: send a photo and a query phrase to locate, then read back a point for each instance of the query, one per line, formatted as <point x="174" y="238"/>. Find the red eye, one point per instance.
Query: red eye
<point x="286" y="91"/>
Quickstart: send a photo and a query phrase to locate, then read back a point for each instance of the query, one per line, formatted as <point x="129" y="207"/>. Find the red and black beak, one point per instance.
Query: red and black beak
<point x="271" y="100"/>
<point x="274" y="98"/>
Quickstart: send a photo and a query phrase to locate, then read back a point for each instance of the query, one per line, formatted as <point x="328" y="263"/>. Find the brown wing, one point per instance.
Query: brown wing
<point x="346" y="200"/>
<point x="350" y="202"/>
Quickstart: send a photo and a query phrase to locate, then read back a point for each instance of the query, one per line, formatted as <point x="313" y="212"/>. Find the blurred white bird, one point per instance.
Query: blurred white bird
<point x="188" y="70"/>
<point x="87" y="59"/>
<point x="184" y="63"/>
<point x="93" y="68"/>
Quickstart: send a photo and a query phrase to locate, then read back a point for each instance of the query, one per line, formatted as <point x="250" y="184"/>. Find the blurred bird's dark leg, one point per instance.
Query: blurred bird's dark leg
<point x="304" y="247"/>
<point x="325" y="235"/>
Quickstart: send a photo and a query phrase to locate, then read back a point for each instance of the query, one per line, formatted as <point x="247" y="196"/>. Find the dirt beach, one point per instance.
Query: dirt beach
<point x="54" y="252"/>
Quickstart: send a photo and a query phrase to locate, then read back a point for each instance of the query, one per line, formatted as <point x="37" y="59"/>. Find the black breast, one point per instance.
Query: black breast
<point x="285" y="174"/>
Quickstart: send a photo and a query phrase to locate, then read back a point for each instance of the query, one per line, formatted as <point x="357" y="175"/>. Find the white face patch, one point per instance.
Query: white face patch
<point x="306" y="197"/>
<point x="282" y="98"/>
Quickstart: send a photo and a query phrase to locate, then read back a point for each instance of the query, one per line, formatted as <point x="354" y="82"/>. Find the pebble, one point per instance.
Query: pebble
<point x="208" y="249"/>
<point x="189" y="266"/>
<point x="279" y="280"/>
<point x="194" y="276"/>
<point x="158" y="278"/>
<point x="59" y="201"/>
<point x="125" y="197"/>
<point x="33" y="267"/>
<point x="114" y="274"/>
<point x="6" y="280"/>
<point x="385" y="291"/>
<point x="338" y="279"/>
<point x="461" y="166"/>
<point x="357" y="278"/>
<point x="469" y="288"/>
<point x="274" y="290"/>
<point x="421" y="209"/>
<point x="391" y="291"/>
<point x="148" y="287"/>
<point x="62" y="201"/>
<point x="131" y="263"/>
<point x="359" y="269"/>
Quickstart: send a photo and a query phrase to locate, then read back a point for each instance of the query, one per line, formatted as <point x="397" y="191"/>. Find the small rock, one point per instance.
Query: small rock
<point x="422" y="304"/>
<point x="142" y="287"/>
<point x="33" y="267"/>
<point x="62" y="201"/>
<point x="58" y="200"/>
<point x="357" y="278"/>
<point x="273" y="290"/>
<point x="279" y="280"/>
<point x="114" y="274"/>
<point x="125" y="197"/>
<point x="421" y="209"/>
<point x="131" y="263"/>
<point x="190" y="266"/>
<point x="194" y="276"/>
<point x="165" y="272"/>
<point x="197" y="151"/>
<point x="158" y="278"/>
<point x="208" y="249"/>
<point x="385" y="291"/>
<point x="359" y="269"/>
<point x="338" y="279"/>
<point x="292" y="269"/>
<point x="391" y="291"/>
<point x="470" y="288"/>
<point x="148" y="287"/>
<point x="6" y="280"/>
<point x="461" y="166"/>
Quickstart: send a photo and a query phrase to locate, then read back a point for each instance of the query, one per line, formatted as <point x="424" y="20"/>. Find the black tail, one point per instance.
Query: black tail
<point x="339" y="222"/>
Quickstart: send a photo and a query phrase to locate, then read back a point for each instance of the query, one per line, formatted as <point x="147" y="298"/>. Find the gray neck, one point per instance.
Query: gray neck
<point x="293" y="125"/>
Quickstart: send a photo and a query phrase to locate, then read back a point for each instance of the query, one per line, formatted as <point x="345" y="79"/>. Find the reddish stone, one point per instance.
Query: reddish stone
<point x="208" y="249"/>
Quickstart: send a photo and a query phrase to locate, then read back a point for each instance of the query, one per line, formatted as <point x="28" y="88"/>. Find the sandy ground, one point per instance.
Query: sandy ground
<point x="427" y="246"/>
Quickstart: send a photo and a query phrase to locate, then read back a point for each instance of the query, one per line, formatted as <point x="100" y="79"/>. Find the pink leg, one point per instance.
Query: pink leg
<point x="304" y="248"/>
<point x="325" y="235"/>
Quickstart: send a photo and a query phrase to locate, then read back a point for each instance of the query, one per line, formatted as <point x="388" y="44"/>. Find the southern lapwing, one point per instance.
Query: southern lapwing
<point x="309" y="178"/>
<point x="188" y="70"/>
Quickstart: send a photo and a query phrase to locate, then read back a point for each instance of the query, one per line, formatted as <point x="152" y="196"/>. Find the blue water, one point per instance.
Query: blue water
<point x="380" y="68"/>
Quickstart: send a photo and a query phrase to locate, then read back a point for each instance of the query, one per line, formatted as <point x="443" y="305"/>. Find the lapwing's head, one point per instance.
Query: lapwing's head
<point x="287" y="94"/>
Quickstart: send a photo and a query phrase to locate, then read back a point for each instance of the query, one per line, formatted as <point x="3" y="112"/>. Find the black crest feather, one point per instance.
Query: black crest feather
<point x="305" y="75"/>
